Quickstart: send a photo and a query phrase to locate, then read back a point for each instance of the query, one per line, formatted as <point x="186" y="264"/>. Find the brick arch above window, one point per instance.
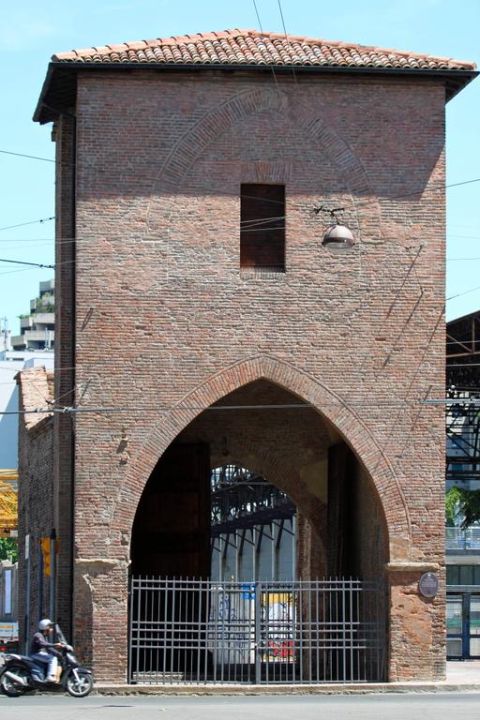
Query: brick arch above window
<point x="315" y="128"/>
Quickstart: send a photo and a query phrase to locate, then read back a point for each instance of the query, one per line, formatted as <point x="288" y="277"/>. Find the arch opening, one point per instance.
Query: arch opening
<point x="253" y="544"/>
<point x="268" y="432"/>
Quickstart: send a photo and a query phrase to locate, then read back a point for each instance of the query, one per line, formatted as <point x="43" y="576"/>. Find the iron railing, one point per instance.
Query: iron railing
<point x="457" y="538"/>
<point x="199" y="631"/>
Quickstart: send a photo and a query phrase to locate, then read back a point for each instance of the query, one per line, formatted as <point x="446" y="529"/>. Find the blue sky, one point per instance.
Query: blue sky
<point x="31" y="31"/>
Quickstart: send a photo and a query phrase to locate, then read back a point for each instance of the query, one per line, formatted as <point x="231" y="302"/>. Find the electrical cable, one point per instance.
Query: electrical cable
<point x="31" y="222"/>
<point x="357" y="206"/>
<point x="30" y="157"/>
<point x="465" y="292"/>
<point x="182" y="408"/>
<point x="286" y="38"/>
<point x="23" y="262"/>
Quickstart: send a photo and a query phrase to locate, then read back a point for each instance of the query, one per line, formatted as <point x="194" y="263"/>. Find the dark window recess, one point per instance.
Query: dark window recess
<point x="463" y="574"/>
<point x="262" y="227"/>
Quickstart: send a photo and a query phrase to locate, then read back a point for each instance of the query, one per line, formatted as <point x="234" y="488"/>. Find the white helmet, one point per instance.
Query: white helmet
<point x="44" y="624"/>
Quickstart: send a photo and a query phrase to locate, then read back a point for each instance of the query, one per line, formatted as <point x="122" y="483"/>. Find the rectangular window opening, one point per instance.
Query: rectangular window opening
<point x="262" y="227"/>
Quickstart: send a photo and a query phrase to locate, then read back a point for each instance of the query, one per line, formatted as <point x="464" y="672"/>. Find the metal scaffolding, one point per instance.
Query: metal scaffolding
<point x="8" y="502"/>
<point x="252" y="527"/>
<point x="462" y="417"/>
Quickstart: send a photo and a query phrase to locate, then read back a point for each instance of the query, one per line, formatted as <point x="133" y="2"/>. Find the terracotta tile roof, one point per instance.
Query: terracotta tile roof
<point x="250" y="47"/>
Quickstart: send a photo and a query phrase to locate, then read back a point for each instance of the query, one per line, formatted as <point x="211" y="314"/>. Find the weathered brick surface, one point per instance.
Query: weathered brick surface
<point x="166" y="323"/>
<point x="64" y="366"/>
<point x="35" y="495"/>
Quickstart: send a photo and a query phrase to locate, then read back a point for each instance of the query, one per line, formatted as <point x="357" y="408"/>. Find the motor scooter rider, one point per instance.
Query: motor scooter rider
<point x="44" y="651"/>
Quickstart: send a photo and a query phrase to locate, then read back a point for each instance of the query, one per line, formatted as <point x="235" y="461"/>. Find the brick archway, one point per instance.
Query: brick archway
<point x="332" y="407"/>
<point x="317" y="129"/>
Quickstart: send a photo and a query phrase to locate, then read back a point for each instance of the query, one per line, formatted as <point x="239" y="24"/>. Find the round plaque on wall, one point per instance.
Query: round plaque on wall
<point x="428" y="585"/>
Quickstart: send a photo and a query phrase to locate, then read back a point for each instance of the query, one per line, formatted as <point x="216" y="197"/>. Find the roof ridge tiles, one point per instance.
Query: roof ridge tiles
<point x="255" y="47"/>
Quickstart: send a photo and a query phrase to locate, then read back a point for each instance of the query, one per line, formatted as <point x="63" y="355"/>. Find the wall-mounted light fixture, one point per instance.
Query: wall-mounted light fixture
<point x="337" y="236"/>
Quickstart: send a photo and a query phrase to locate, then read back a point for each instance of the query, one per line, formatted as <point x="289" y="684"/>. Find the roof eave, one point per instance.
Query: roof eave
<point x="60" y="81"/>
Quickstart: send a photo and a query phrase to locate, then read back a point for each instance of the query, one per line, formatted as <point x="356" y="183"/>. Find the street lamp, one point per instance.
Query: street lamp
<point x="337" y="236"/>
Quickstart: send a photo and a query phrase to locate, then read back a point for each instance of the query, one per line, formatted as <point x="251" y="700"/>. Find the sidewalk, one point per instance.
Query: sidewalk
<point x="466" y="672"/>
<point x="461" y="677"/>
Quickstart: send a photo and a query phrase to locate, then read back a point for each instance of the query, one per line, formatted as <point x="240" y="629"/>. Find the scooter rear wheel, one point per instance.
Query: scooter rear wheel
<point x="80" y="687"/>
<point x="10" y="687"/>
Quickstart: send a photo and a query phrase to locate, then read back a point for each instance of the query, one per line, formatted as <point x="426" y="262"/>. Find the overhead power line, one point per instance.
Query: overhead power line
<point x="30" y="222"/>
<point x="465" y="292"/>
<point x="23" y="262"/>
<point x="68" y="410"/>
<point x="30" y="157"/>
<point x="434" y="186"/>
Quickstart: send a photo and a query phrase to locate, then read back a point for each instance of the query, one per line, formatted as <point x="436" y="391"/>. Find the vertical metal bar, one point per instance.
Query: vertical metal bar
<point x="311" y="591"/>
<point x="156" y="627"/>
<point x="130" y="633"/>
<point x="191" y="591"/>
<point x="208" y="618"/>
<point x="201" y="631"/>
<point x="272" y="549"/>
<point x="258" y="637"/>
<point x="172" y="623"/>
<point x="139" y="629"/>
<point x="293" y="522"/>
<point x="151" y="650"/>
<point x="237" y="557"/>
<point x="222" y="557"/>
<point x="317" y="638"/>
<point x="164" y="598"/>
<point x="295" y="657"/>
<point x="302" y="613"/>
<point x="352" y="632"/>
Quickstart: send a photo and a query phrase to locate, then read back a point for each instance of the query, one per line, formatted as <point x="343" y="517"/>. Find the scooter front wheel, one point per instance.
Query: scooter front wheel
<point x="79" y="683"/>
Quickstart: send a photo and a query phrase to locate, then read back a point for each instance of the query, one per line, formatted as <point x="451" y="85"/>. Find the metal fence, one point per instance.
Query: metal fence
<point x="199" y="631"/>
<point x="457" y="538"/>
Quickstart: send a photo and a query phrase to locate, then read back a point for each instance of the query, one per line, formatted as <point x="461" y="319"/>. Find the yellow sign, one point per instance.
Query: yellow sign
<point x="47" y="557"/>
<point x="45" y="545"/>
<point x="8" y="501"/>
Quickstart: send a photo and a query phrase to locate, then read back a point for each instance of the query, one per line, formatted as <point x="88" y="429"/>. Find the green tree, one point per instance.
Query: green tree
<point x="462" y="504"/>
<point x="8" y="549"/>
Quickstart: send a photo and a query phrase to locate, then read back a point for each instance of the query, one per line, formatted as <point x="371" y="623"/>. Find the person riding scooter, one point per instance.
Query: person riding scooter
<point x="44" y="651"/>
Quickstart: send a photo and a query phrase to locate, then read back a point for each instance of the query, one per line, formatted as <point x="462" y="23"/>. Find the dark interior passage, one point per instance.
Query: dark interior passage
<point x="171" y="532"/>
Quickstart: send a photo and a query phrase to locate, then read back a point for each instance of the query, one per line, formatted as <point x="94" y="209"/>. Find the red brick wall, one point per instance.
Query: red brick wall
<point x="164" y="315"/>
<point x="64" y="364"/>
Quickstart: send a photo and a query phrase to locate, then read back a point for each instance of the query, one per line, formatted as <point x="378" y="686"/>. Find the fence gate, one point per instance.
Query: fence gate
<point x="201" y="631"/>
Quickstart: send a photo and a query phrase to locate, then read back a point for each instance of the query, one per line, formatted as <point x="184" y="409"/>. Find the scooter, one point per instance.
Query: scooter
<point x="21" y="674"/>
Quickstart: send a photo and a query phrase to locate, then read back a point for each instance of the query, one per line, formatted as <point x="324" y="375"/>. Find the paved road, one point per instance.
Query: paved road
<point x="435" y="706"/>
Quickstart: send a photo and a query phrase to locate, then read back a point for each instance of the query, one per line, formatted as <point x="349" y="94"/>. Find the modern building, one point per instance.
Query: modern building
<point x="35" y="489"/>
<point x="269" y="225"/>
<point x="463" y="471"/>
<point x="37" y="328"/>
<point x="12" y="363"/>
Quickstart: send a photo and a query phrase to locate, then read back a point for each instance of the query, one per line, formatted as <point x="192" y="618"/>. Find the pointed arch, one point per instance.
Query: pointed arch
<point x="331" y="406"/>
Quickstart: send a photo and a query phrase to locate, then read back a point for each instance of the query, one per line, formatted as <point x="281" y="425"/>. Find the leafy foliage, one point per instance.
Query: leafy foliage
<point x="464" y="504"/>
<point x="8" y="549"/>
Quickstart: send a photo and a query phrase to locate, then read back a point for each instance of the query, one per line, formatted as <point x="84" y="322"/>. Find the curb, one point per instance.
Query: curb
<point x="252" y="690"/>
